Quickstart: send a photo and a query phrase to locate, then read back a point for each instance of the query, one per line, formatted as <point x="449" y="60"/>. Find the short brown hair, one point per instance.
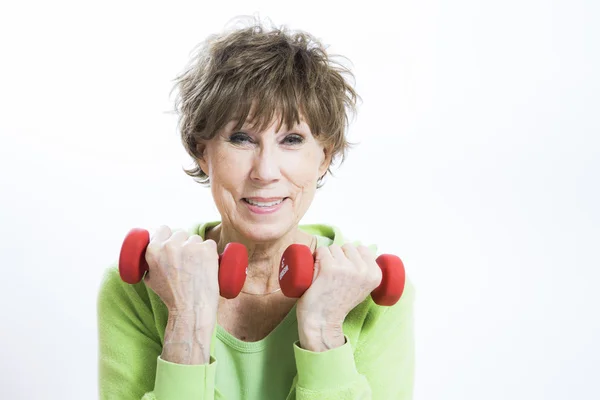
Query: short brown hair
<point x="267" y="72"/>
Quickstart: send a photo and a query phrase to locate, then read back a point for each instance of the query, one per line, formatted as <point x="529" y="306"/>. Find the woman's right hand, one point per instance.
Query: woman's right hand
<point x="183" y="272"/>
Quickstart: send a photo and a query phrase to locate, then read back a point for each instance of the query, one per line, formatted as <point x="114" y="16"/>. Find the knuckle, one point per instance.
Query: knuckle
<point x="349" y="248"/>
<point x="170" y="247"/>
<point x="209" y="243"/>
<point x="189" y="249"/>
<point x="192" y="242"/>
<point x="364" y="249"/>
<point x="169" y="243"/>
<point x="208" y="249"/>
<point x="163" y="228"/>
<point x="160" y="229"/>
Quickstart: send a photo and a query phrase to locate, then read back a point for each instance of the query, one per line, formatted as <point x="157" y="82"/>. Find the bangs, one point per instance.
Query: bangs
<point x="260" y="91"/>
<point x="259" y="110"/>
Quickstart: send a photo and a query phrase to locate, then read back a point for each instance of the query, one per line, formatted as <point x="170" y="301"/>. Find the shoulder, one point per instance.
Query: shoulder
<point x="113" y="290"/>
<point x="117" y="297"/>
<point x="110" y="284"/>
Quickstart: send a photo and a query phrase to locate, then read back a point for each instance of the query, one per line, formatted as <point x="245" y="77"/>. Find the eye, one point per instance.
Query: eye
<point x="239" y="137"/>
<point x="293" y="139"/>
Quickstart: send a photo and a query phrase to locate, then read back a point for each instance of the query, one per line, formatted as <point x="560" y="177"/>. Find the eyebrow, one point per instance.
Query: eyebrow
<point x="302" y="126"/>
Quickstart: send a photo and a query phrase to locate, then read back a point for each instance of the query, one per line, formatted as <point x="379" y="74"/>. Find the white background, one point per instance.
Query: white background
<point x="478" y="164"/>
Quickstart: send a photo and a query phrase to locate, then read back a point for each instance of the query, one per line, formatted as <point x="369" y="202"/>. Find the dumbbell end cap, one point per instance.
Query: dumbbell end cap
<point x="296" y="270"/>
<point x="393" y="279"/>
<point x="132" y="260"/>
<point x="232" y="270"/>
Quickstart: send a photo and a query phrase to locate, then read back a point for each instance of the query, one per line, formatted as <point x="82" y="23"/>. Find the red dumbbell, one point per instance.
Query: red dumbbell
<point x="297" y="269"/>
<point x="232" y="263"/>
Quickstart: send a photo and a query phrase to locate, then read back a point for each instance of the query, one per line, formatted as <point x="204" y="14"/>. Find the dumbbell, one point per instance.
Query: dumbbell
<point x="232" y="262"/>
<point x="296" y="273"/>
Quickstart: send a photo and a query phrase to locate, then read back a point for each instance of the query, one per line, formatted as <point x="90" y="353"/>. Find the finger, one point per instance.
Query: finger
<point x="323" y="257"/>
<point x="210" y="244"/>
<point x="194" y="239"/>
<point x="195" y="249"/>
<point x="351" y="252"/>
<point x="337" y="253"/>
<point x="323" y="254"/>
<point x="171" y="248"/>
<point x="192" y="253"/>
<point x="161" y="234"/>
<point x="366" y="253"/>
<point x="179" y="236"/>
<point x="374" y="271"/>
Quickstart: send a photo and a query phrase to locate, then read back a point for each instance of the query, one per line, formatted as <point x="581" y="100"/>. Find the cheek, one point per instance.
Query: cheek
<point x="303" y="171"/>
<point x="227" y="168"/>
<point x="227" y="177"/>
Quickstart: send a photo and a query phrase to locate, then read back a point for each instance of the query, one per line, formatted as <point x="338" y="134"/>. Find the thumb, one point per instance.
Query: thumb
<point x="316" y="269"/>
<point x="322" y="254"/>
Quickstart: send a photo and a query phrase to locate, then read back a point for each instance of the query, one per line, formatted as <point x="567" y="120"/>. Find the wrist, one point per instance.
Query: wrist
<point x="321" y="337"/>
<point x="186" y="341"/>
<point x="191" y="320"/>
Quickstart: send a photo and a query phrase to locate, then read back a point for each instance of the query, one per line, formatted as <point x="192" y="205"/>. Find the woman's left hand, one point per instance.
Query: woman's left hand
<point x="343" y="278"/>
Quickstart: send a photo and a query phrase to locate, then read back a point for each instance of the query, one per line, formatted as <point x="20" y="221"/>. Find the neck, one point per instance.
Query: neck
<point x="263" y="257"/>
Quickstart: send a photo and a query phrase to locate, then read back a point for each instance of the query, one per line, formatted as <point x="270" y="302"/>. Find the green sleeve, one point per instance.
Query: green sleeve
<point x="329" y="375"/>
<point x="380" y="368"/>
<point x="385" y="351"/>
<point x="180" y="382"/>
<point x="130" y="366"/>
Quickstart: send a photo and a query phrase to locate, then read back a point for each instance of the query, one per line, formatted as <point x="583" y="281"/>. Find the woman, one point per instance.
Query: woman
<point x="263" y="113"/>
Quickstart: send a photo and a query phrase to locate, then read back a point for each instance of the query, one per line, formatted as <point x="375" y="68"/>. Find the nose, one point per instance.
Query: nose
<point x="266" y="167"/>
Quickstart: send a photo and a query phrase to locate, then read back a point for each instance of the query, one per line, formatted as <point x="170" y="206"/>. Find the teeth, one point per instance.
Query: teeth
<point x="270" y="204"/>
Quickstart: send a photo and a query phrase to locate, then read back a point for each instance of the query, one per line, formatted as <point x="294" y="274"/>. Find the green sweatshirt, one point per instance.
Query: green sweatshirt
<point x="376" y="362"/>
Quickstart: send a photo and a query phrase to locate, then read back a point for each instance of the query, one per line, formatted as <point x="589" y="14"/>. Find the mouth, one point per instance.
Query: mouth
<point x="264" y="202"/>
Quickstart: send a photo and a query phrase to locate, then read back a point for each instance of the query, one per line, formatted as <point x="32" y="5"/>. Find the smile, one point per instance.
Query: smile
<point x="271" y="203"/>
<point x="264" y="206"/>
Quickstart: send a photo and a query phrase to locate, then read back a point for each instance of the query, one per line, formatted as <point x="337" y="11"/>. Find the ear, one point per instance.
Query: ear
<point x="327" y="152"/>
<point x="200" y="155"/>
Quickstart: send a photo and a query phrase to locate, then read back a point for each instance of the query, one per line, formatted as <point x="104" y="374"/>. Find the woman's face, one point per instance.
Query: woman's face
<point x="263" y="182"/>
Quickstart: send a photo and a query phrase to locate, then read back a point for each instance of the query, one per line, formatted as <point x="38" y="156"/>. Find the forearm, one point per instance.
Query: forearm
<point x="187" y="340"/>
